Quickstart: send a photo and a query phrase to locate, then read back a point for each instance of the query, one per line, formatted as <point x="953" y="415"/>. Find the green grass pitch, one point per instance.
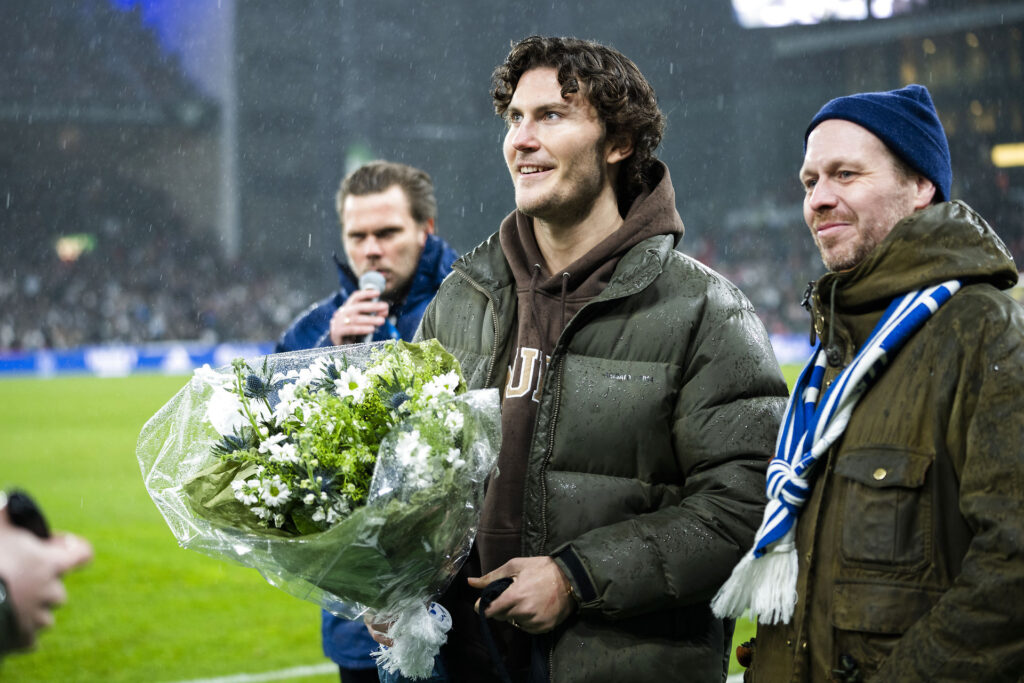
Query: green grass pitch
<point x="144" y="610"/>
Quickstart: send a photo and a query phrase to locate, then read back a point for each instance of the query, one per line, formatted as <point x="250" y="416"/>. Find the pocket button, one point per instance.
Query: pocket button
<point x="879" y="474"/>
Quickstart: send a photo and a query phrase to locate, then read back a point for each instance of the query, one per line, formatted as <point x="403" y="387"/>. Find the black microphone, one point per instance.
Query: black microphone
<point x="371" y="279"/>
<point x="24" y="512"/>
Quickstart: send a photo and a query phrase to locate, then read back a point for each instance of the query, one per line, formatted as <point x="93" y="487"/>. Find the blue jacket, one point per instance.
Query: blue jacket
<point x="312" y="328"/>
<point x="346" y="642"/>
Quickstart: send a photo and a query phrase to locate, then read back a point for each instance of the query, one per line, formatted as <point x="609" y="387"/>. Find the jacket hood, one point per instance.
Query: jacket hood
<point x="943" y="242"/>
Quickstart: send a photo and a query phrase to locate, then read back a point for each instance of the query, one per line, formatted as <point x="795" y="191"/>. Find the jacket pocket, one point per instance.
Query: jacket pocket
<point x="880" y="608"/>
<point x="887" y="509"/>
<point x="870" y="619"/>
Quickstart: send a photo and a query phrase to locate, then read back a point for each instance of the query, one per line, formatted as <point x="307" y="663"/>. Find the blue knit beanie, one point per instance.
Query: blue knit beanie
<point x="906" y="121"/>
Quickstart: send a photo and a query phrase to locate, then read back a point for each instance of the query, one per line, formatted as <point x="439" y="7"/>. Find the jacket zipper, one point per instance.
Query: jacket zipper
<point x="551" y="663"/>
<point x="494" y="321"/>
<point x="560" y="360"/>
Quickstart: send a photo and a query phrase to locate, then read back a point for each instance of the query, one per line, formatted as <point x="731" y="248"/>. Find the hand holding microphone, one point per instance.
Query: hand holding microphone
<point x="32" y="564"/>
<point x="362" y="313"/>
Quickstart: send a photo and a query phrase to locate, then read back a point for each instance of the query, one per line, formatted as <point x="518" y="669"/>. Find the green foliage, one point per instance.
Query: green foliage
<point x="305" y="451"/>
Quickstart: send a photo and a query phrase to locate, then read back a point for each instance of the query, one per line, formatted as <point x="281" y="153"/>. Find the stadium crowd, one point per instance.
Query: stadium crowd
<point x="141" y="275"/>
<point x="149" y="277"/>
<point x="137" y="273"/>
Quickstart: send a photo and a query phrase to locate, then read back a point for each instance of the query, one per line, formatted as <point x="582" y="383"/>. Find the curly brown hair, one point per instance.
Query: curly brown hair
<point x="611" y="82"/>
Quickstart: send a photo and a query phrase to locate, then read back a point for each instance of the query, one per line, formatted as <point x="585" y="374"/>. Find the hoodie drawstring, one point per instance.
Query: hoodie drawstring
<point x="565" y="287"/>
<point x="533" y="296"/>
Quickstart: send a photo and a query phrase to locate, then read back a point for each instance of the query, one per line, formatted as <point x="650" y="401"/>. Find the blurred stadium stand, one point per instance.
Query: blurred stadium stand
<point x="112" y="155"/>
<point x="104" y="192"/>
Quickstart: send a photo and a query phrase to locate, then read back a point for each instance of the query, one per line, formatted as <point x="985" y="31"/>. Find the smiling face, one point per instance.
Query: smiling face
<point x="855" y="192"/>
<point x="379" y="233"/>
<point x="556" y="151"/>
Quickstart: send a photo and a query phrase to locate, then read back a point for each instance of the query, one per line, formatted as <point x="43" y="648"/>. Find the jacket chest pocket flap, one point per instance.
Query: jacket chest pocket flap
<point x="886" y="507"/>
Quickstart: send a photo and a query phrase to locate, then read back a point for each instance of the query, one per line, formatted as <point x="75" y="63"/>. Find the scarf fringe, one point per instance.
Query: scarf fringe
<point x="417" y="635"/>
<point x="766" y="586"/>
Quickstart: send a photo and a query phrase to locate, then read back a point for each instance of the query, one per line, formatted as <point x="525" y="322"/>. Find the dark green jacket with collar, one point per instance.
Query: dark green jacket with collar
<point x="658" y="413"/>
<point x="911" y="547"/>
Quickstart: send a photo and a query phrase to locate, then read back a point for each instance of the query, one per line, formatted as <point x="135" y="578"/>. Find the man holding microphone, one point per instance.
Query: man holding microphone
<point x="395" y="265"/>
<point x="387" y="212"/>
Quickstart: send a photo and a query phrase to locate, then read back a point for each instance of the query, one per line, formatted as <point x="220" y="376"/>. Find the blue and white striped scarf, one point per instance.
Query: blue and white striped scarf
<point x="765" y="579"/>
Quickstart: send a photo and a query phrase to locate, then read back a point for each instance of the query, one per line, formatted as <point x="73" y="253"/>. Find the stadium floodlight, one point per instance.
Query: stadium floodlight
<point x="776" y="13"/>
<point x="1008" y="155"/>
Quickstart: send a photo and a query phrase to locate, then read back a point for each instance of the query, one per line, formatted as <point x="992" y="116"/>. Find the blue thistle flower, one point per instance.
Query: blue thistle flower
<point x="255" y="387"/>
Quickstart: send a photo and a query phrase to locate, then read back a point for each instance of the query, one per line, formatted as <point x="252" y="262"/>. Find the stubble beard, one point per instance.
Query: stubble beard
<point x="852" y="254"/>
<point x="848" y="255"/>
<point x="570" y="204"/>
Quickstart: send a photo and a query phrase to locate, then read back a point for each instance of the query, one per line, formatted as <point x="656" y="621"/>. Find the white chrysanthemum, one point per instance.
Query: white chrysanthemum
<point x="275" y="492"/>
<point x="288" y="403"/>
<point x="261" y="512"/>
<point x="272" y="441"/>
<point x="454" y="421"/>
<point x="224" y="412"/>
<point x="319" y="515"/>
<point x="313" y="373"/>
<point x="413" y="455"/>
<point x="280" y="449"/>
<point x="352" y="382"/>
<point x="244" y="493"/>
<point x="454" y="458"/>
<point x="410" y="449"/>
<point x="441" y="385"/>
<point x="286" y="453"/>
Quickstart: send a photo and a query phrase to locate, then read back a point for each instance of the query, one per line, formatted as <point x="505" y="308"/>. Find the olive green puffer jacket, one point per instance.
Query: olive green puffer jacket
<point x="911" y="547"/>
<point x="658" y="413"/>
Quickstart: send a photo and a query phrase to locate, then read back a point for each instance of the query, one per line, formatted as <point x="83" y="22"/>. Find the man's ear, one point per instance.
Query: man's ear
<point x="925" y="193"/>
<point x="619" y="149"/>
<point x="428" y="229"/>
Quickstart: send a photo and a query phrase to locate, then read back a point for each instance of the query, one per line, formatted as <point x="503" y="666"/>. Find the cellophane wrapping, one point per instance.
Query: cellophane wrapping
<point x="390" y="553"/>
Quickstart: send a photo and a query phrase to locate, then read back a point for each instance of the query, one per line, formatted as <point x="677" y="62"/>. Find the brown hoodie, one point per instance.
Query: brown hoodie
<point x="546" y="304"/>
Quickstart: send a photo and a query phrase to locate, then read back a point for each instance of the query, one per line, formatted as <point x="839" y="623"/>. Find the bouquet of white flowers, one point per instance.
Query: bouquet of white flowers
<point x="351" y="477"/>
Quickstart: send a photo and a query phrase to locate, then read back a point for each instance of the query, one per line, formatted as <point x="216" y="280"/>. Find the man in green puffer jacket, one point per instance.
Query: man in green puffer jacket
<point x="640" y="394"/>
<point x="911" y="541"/>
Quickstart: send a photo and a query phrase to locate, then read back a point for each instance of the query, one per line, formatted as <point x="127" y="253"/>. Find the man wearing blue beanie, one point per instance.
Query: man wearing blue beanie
<point x="892" y="545"/>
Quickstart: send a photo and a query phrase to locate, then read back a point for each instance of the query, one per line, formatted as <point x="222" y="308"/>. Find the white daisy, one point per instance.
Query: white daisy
<point x="441" y="385"/>
<point x="275" y="492"/>
<point x="352" y="382"/>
